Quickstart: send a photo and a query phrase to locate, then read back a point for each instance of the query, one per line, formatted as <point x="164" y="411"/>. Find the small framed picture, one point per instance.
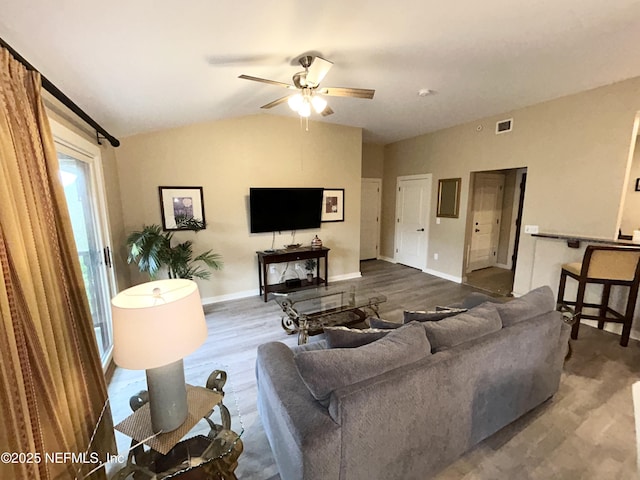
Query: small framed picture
<point x="182" y="208"/>
<point x="637" y="184"/>
<point x="333" y="205"/>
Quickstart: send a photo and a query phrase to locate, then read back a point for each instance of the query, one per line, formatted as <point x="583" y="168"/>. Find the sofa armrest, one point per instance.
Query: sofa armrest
<point x="304" y="439"/>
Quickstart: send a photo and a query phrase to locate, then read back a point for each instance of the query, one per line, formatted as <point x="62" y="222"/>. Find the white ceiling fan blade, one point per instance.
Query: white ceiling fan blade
<point x="347" y="92"/>
<point x="317" y="71"/>
<point x="277" y="102"/>
<point x="269" y="82"/>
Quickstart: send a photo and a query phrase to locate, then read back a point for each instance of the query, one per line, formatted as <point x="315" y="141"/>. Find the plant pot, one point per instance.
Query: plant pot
<point x="310" y="277"/>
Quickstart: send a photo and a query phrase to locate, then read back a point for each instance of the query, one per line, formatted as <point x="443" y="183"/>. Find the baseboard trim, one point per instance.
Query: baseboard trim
<point x="445" y="276"/>
<point x="346" y="276"/>
<point x="254" y="293"/>
<point x="387" y="259"/>
<point x="230" y="296"/>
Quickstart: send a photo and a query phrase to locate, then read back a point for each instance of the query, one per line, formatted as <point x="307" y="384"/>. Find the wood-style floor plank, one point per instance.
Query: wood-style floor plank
<point x="586" y="431"/>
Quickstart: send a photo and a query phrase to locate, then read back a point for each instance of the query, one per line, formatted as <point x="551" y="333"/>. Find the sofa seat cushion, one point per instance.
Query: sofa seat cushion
<point x="534" y="303"/>
<point x="344" y="337"/>
<point x="475" y="323"/>
<point x="431" y="316"/>
<point x="324" y="371"/>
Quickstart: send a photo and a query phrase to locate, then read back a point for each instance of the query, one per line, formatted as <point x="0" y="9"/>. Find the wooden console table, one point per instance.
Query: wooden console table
<point x="291" y="255"/>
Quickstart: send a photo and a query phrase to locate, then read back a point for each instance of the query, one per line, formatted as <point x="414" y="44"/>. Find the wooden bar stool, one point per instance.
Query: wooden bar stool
<point x="607" y="266"/>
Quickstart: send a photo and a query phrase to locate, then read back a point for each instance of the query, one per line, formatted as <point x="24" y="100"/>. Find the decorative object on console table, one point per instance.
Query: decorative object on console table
<point x="310" y="265"/>
<point x="155" y="325"/>
<point x="333" y="205"/>
<point x="316" y="242"/>
<point x="182" y="208"/>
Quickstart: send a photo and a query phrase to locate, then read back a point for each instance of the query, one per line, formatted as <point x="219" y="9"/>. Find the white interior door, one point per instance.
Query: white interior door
<point x="81" y="175"/>
<point x="487" y="210"/>
<point x="413" y="202"/>
<point x="370" y="218"/>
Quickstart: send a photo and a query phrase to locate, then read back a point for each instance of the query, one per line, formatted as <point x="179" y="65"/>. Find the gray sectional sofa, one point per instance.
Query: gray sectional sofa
<point x="408" y="404"/>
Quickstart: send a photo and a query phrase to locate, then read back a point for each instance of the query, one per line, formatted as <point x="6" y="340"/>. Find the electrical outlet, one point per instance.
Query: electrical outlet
<point x="437" y="220"/>
<point x="435" y="256"/>
<point x="531" y="229"/>
<point x="272" y="269"/>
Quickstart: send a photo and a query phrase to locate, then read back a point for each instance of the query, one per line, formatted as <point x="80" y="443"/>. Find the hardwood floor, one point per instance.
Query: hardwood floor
<point x="586" y="431"/>
<point x="492" y="279"/>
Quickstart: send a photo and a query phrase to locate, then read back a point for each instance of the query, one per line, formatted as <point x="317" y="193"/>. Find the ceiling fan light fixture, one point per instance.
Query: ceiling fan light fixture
<point x="305" y="108"/>
<point x="295" y="102"/>
<point x="319" y="103"/>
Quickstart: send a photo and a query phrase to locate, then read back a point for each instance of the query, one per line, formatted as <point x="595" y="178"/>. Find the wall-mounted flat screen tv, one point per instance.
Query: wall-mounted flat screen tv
<point x="278" y="209"/>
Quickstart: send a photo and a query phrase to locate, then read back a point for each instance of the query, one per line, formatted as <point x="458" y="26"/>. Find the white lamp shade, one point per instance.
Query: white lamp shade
<point x="295" y="101"/>
<point x="305" y="108"/>
<point x="157" y="323"/>
<point x="319" y="103"/>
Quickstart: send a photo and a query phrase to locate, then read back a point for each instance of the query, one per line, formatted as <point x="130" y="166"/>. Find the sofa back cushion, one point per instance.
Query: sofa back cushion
<point x="534" y="303"/>
<point x="475" y="323"/>
<point x="323" y="371"/>
<point x="375" y="322"/>
<point x="344" y="337"/>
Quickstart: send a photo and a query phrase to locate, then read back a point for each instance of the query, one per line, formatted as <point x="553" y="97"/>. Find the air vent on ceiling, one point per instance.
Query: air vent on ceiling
<point x="504" y="126"/>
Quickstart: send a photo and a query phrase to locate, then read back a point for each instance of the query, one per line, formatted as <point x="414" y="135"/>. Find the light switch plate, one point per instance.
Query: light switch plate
<point x="531" y="229"/>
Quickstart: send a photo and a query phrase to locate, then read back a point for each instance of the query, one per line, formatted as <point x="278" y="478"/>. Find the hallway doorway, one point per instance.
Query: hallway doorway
<point x="492" y="279"/>
<point x="493" y="229"/>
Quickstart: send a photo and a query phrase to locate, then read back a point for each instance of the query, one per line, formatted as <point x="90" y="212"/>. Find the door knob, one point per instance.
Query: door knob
<point x="420" y="230"/>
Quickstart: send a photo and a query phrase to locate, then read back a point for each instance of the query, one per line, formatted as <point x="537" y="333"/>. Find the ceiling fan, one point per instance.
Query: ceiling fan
<point x="309" y="93"/>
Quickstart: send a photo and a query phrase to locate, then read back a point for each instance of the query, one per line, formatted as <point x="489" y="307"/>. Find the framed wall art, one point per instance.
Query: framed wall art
<point x="182" y="208"/>
<point x="449" y="197"/>
<point x="333" y="205"/>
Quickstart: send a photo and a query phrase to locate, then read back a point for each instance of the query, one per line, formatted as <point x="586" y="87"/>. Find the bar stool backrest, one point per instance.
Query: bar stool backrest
<point x="611" y="263"/>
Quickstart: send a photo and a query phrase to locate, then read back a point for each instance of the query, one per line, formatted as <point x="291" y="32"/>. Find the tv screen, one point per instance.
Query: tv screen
<point x="277" y="209"/>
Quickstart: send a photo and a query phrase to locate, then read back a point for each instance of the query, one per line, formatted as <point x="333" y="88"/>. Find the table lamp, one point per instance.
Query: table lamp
<point x="155" y="325"/>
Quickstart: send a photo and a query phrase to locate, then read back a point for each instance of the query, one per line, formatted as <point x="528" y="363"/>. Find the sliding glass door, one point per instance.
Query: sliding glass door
<point x="81" y="175"/>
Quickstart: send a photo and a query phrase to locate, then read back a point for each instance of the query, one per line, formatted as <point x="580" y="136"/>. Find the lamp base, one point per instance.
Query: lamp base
<point x="167" y="396"/>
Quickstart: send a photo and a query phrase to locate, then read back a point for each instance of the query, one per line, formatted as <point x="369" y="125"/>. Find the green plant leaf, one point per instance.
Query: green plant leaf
<point x="151" y="249"/>
<point x="189" y="223"/>
<point x="147" y="248"/>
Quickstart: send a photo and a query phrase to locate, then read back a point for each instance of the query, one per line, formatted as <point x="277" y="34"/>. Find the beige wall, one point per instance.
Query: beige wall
<point x="61" y="114"/>
<point x="228" y="157"/>
<point x="575" y="149"/>
<point x="631" y="212"/>
<point x="372" y="160"/>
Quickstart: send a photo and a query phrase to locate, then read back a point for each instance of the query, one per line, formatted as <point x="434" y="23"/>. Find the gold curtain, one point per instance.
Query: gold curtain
<point x="53" y="396"/>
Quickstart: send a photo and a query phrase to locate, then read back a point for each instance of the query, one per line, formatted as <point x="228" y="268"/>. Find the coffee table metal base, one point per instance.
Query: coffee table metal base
<point x="304" y="320"/>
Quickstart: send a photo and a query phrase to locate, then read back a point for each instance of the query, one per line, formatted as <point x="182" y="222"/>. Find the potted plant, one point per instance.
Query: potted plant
<point x="152" y="250"/>
<point x="310" y="266"/>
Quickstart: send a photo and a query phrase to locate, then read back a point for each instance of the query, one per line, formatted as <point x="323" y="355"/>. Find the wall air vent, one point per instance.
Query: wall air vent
<point x="504" y="126"/>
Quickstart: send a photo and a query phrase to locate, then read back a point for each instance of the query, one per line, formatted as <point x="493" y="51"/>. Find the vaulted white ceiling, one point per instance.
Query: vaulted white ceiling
<point x="144" y="65"/>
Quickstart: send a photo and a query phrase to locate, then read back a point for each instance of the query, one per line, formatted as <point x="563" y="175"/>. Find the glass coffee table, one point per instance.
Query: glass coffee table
<point x="307" y="312"/>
